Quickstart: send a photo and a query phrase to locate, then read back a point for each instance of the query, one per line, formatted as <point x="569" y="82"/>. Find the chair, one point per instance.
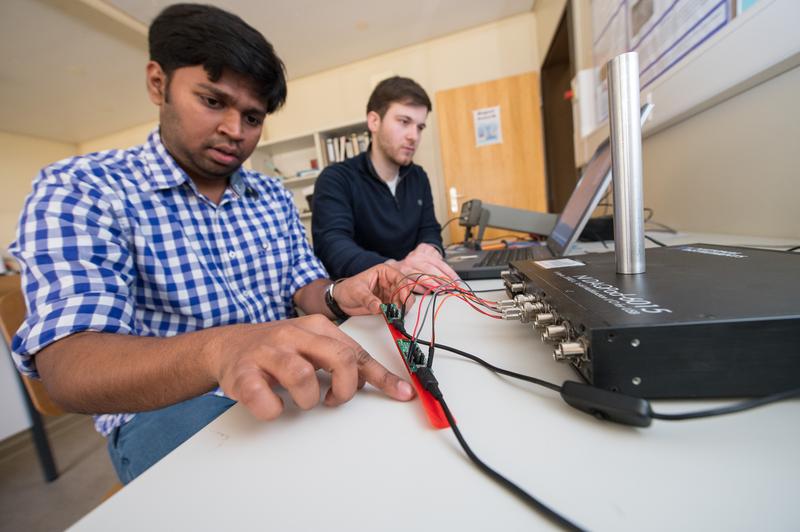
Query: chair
<point x="38" y="402"/>
<point x="12" y="314"/>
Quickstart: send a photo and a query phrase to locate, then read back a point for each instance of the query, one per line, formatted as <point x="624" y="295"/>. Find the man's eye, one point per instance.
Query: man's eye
<point x="211" y="102"/>
<point x="253" y="120"/>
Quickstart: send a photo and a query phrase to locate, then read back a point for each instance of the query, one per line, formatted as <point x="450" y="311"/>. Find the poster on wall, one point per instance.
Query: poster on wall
<point x="609" y="38"/>
<point x="663" y="32"/>
<point x="666" y="31"/>
<point x="487" y="126"/>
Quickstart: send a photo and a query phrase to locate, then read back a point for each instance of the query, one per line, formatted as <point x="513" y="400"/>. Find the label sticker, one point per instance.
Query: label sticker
<point x="557" y="263"/>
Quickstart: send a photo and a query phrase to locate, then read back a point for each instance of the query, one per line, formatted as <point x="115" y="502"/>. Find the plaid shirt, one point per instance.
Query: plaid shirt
<point x="122" y="242"/>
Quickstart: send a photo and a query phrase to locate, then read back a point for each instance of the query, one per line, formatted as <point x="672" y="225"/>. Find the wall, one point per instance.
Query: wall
<point x="121" y="139"/>
<point x="22" y="158"/>
<point x="732" y="168"/>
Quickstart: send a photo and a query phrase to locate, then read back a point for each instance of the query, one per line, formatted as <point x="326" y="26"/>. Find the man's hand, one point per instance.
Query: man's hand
<point x="248" y="360"/>
<point x="425" y="259"/>
<point x="364" y="293"/>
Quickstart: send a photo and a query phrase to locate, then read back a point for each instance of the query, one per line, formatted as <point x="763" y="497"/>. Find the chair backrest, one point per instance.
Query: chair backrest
<point x="12" y="314"/>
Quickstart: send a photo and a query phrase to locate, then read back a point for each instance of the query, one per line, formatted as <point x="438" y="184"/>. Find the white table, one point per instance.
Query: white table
<point x="376" y="464"/>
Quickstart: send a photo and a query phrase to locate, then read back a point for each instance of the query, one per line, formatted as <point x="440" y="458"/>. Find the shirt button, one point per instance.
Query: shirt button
<point x="232" y="254"/>
<point x="266" y="246"/>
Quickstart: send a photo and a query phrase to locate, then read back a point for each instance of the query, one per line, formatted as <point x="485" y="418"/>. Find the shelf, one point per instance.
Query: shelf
<point x="297" y="153"/>
<point x="297" y="181"/>
<point x="299" y="142"/>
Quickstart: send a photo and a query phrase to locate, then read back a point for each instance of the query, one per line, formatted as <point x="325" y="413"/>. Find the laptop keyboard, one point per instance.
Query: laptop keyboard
<point x="501" y="257"/>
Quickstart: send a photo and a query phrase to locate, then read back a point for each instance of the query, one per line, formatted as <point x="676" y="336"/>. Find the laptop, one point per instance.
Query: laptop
<point x="471" y="264"/>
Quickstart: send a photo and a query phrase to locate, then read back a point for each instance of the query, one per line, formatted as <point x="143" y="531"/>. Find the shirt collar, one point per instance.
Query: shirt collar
<point x="165" y="172"/>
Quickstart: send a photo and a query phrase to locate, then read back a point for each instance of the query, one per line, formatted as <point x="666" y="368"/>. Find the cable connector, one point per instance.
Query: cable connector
<point x="607" y="405"/>
<point x="428" y="381"/>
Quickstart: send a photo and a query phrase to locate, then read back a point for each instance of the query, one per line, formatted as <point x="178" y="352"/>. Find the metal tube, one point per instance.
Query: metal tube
<point x="626" y="162"/>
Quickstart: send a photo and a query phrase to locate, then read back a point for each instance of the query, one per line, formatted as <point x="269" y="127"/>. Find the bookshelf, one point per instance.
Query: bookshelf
<point x="291" y="159"/>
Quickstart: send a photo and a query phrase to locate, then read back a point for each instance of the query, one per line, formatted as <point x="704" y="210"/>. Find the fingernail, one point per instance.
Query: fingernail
<point x="405" y="389"/>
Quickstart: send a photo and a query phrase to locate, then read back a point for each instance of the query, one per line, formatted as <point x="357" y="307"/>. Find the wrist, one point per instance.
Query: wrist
<point x="330" y="302"/>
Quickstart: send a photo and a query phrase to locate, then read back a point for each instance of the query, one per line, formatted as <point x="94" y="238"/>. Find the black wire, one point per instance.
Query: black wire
<point x="794" y="248"/>
<point x="487" y="365"/>
<point x="448" y="222"/>
<point x="732" y="409"/>
<point x="526" y="497"/>
<point x="654" y="241"/>
<point x="432" y="345"/>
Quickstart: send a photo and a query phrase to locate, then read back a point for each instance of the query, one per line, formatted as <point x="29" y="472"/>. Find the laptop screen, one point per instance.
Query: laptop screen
<point x="584" y="199"/>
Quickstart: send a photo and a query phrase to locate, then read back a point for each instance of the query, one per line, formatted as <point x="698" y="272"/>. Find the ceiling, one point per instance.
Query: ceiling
<point x="73" y="70"/>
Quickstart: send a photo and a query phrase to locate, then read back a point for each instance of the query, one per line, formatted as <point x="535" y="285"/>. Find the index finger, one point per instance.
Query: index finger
<point x="348" y="350"/>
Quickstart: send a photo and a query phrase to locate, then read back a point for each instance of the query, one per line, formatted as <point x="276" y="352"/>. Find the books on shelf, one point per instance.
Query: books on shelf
<point x="310" y="172"/>
<point x="343" y="147"/>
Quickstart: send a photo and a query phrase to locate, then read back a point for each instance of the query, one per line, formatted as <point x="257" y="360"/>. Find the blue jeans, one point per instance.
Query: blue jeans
<point x="150" y="436"/>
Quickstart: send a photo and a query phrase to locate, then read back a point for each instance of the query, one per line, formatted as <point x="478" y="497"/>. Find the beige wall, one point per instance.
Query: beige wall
<point x="119" y="140"/>
<point x="22" y="158"/>
<point x="548" y="15"/>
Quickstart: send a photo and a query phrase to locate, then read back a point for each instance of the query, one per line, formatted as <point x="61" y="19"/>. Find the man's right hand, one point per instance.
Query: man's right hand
<point x="426" y="259"/>
<point x="249" y="360"/>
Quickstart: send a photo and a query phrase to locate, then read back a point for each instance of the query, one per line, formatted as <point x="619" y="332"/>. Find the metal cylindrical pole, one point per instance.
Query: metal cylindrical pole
<point x="626" y="161"/>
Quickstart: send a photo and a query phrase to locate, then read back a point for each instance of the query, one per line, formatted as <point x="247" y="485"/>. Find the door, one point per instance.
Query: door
<point x="509" y="172"/>
<point x="556" y="74"/>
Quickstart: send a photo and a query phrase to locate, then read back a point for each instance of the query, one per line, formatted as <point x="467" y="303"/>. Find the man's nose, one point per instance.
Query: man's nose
<point x="231" y="124"/>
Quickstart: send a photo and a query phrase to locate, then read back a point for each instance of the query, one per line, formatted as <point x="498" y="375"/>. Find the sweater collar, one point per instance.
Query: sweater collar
<point x="370" y="168"/>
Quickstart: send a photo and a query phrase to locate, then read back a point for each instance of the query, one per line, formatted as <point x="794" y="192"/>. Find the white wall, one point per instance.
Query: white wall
<point x="732" y="168"/>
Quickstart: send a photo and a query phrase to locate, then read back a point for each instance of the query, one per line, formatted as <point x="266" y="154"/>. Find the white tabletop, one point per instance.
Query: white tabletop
<point x="377" y="464"/>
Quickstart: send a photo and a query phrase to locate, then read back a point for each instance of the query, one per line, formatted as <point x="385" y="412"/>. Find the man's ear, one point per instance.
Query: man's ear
<point x="156" y="81"/>
<point x="373" y="121"/>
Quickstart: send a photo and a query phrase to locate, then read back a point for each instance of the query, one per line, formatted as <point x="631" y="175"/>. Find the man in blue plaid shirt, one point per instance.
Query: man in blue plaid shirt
<point x="158" y="274"/>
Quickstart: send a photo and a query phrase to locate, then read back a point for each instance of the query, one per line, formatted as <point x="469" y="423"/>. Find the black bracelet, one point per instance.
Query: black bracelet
<point x="333" y="306"/>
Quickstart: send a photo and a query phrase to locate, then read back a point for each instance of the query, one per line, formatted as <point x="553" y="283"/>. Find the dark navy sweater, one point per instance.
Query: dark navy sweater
<point x="357" y="222"/>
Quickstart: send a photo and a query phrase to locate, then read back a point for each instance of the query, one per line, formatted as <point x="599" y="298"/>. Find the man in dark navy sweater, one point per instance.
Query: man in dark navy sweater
<point x="377" y="207"/>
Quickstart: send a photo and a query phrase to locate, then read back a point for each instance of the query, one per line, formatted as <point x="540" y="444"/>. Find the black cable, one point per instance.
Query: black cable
<point x="732" y="409"/>
<point x="794" y="248"/>
<point x="448" y="222"/>
<point x="526" y="497"/>
<point x="654" y="241"/>
<point x="487" y="365"/>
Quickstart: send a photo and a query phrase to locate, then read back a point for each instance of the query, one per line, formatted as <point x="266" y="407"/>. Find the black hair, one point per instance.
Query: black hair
<point x="195" y="34"/>
<point x="397" y="90"/>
